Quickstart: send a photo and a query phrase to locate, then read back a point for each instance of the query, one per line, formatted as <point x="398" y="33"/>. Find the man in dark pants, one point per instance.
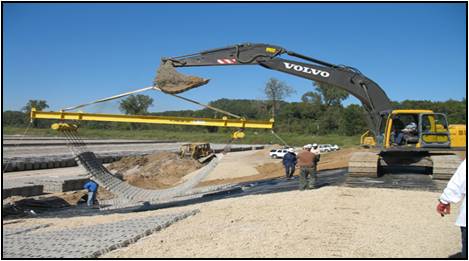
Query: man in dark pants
<point x="92" y="188"/>
<point x="289" y="162"/>
<point x="306" y="162"/>
<point x="453" y="193"/>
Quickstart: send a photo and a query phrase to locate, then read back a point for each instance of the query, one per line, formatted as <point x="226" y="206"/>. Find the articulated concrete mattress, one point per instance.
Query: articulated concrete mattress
<point x="127" y="192"/>
<point x="82" y="242"/>
<point x="25" y="190"/>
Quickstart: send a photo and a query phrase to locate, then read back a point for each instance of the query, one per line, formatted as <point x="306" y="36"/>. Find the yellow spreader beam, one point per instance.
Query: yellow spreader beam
<point x="224" y="122"/>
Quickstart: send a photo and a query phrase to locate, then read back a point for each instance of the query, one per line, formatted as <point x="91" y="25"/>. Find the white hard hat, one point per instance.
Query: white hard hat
<point x="315" y="145"/>
<point x="291" y="150"/>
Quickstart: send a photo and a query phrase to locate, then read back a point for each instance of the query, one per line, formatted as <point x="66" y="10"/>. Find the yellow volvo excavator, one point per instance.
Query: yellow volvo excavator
<point x="400" y="138"/>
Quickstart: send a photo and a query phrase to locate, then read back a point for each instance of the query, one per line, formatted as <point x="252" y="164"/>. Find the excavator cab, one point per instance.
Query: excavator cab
<point x="417" y="129"/>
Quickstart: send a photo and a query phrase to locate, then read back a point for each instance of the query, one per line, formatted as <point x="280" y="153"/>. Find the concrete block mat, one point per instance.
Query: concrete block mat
<point x="85" y="242"/>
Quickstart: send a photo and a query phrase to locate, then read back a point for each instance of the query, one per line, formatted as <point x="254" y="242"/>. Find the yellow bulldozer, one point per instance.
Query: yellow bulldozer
<point x="197" y="151"/>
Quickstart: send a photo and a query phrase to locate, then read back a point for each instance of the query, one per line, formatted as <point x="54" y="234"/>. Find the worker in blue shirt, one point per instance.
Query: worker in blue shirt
<point x="92" y="188"/>
<point x="289" y="162"/>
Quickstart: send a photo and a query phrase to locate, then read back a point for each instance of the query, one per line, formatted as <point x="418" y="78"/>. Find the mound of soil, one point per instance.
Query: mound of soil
<point x="170" y="81"/>
<point x="157" y="170"/>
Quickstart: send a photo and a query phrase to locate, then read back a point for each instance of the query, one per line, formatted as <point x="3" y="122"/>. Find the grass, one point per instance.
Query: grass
<point x="252" y="137"/>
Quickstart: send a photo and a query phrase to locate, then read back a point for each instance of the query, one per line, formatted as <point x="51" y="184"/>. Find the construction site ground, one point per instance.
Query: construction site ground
<point x="268" y="217"/>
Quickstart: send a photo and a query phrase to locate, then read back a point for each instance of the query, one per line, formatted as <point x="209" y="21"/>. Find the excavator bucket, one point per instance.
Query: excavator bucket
<point x="170" y="81"/>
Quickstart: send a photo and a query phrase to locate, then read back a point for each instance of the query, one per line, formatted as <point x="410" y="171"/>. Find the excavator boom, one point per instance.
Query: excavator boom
<point x="373" y="98"/>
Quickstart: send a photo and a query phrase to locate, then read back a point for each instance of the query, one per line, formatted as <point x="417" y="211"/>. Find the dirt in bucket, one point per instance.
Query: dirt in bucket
<point x="154" y="171"/>
<point x="171" y="81"/>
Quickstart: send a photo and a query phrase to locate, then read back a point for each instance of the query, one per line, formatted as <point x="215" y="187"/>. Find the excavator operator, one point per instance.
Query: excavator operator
<point x="407" y="134"/>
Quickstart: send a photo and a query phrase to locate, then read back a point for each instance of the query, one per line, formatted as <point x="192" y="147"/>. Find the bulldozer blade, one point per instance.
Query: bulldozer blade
<point x="170" y="81"/>
<point x="206" y="158"/>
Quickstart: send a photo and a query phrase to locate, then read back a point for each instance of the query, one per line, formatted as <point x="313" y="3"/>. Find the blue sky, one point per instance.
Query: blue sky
<point x="68" y="54"/>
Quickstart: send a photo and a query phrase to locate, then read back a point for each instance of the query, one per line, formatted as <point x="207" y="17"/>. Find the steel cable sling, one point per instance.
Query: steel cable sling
<point x="95" y="169"/>
<point x="227" y="147"/>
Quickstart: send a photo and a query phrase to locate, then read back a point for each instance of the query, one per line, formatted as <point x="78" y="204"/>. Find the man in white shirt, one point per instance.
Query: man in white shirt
<point x="315" y="150"/>
<point x="453" y="193"/>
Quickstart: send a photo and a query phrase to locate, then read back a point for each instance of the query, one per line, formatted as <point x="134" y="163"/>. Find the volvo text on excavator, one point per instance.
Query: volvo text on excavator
<point x="425" y="145"/>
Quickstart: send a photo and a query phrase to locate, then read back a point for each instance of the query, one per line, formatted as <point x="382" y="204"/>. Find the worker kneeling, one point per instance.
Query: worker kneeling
<point x="306" y="163"/>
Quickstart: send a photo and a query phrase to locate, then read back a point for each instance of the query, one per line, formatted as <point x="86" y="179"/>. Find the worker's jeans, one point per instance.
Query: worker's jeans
<point x="400" y="137"/>
<point x="289" y="170"/>
<point x="91" y="198"/>
<point x="464" y="242"/>
<point x="307" y="178"/>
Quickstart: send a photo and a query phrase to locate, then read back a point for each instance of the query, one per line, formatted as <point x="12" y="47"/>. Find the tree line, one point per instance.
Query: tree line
<point x="319" y="112"/>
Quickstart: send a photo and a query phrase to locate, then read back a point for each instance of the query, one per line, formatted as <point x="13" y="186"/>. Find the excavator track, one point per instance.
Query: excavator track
<point x="364" y="164"/>
<point x="444" y="166"/>
<point x="125" y="192"/>
<point x="371" y="164"/>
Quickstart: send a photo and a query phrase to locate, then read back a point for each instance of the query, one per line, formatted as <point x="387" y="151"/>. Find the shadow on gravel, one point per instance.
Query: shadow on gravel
<point x="31" y="206"/>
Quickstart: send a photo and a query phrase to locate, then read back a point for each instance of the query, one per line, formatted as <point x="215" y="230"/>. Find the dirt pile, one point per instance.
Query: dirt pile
<point x="170" y="81"/>
<point x="337" y="159"/>
<point x="154" y="171"/>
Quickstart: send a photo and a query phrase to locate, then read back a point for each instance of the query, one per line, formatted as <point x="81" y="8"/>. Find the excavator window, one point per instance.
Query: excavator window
<point x="434" y="128"/>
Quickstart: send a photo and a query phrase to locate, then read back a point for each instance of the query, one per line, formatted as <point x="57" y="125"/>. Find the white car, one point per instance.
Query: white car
<point x="278" y="153"/>
<point x="335" y="147"/>
<point x="325" y="147"/>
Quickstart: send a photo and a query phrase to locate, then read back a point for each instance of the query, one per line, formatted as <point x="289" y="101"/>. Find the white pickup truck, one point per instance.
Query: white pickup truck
<point x="328" y="147"/>
<point x="277" y="153"/>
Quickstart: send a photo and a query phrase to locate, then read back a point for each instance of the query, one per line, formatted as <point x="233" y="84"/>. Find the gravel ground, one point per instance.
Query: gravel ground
<point x="331" y="222"/>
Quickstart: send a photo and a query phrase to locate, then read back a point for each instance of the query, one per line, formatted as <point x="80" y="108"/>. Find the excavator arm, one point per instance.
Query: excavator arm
<point x="373" y="98"/>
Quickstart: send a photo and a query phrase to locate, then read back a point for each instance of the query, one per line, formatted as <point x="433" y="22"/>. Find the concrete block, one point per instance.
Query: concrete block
<point x="24" y="190"/>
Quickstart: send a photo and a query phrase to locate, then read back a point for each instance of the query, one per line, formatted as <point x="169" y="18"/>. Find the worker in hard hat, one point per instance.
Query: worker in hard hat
<point x="315" y="150"/>
<point x="289" y="162"/>
<point x="306" y="163"/>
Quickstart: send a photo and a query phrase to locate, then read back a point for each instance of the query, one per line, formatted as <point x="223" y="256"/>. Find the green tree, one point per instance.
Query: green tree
<point x="312" y="98"/>
<point x="136" y="104"/>
<point x="276" y="91"/>
<point x="329" y="120"/>
<point x="352" y="120"/>
<point x="14" y="118"/>
<point x="38" y="104"/>
<point x="330" y="95"/>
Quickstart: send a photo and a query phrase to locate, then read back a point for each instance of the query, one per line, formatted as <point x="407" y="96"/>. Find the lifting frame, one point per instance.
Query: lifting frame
<point x="223" y="122"/>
